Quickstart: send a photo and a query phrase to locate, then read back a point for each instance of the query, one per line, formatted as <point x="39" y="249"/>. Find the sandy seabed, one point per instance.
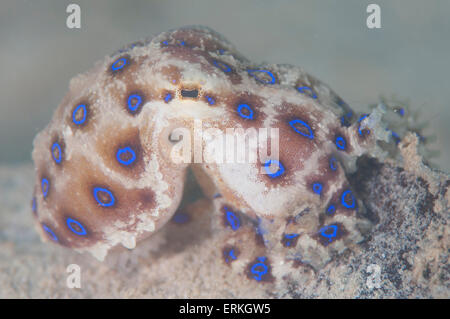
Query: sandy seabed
<point x="409" y="243"/>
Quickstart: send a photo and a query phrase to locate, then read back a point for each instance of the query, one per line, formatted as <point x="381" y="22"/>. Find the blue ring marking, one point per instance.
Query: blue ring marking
<point x="331" y="209"/>
<point x="210" y="100"/>
<point x="50" y="232"/>
<point x="233" y="220"/>
<point x="323" y="232"/>
<point x="224" y="67"/>
<point x="134" y="107"/>
<point x="70" y="221"/>
<point x="317" y="188"/>
<point x="168" y="97"/>
<point x="248" y="108"/>
<point x="221" y="51"/>
<point x="272" y="81"/>
<point x="75" y="111"/>
<point x="181" y="218"/>
<point x="311" y="93"/>
<point x="359" y="126"/>
<point x="165" y="42"/>
<point x="104" y="190"/>
<point x="344" y="203"/>
<point x="54" y="146"/>
<point x="290" y="237"/>
<point x="279" y="172"/>
<point x="182" y="43"/>
<point x="232" y="255"/>
<point x="304" y="124"/>
<point x="45" y="185"/>
<point x="126" y="150"/>
<point x="116" y="67"/>
<point x="340" y="143"/>
<point x="400" y="111"/>
<point x="333" y="163"/>
<point x="396" y="137"/>
<point x="259" y="273"/>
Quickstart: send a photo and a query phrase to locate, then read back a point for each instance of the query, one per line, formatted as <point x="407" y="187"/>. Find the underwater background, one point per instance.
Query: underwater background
<point x="407" y="59"/>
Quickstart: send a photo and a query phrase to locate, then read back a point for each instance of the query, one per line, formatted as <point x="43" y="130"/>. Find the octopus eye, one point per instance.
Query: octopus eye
<point x="189" y="93"/>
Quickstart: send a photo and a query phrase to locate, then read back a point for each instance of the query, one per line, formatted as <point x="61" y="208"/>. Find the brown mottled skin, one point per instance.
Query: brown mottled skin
<point x="196" y="65"/>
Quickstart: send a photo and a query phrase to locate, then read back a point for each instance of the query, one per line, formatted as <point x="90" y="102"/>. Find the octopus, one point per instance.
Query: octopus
<point x="111" y="167"/>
